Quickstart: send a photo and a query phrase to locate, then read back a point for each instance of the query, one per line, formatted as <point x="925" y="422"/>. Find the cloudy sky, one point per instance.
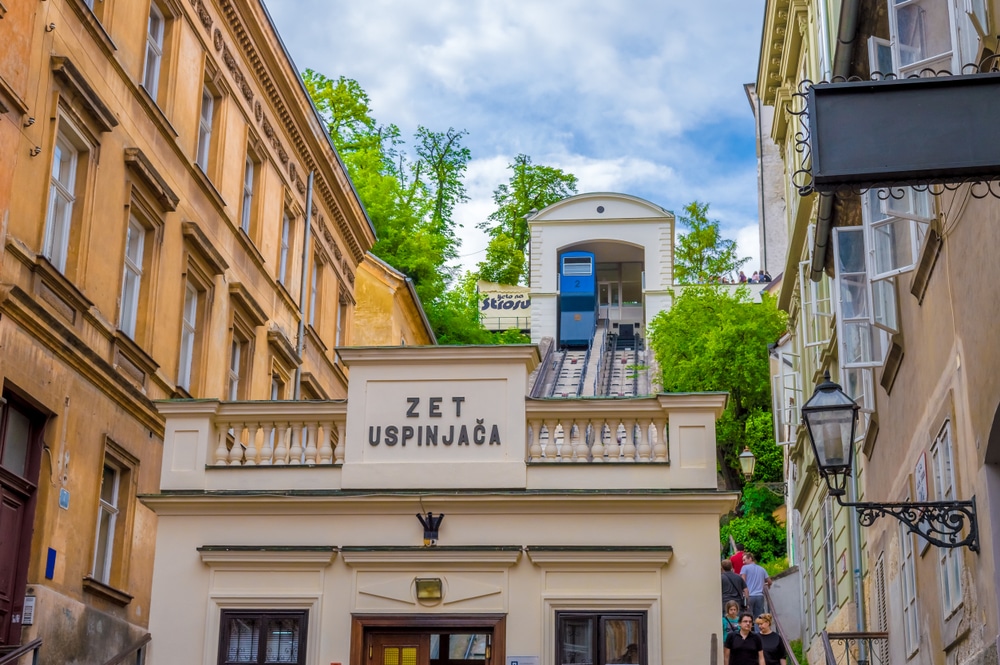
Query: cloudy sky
<point x="643" y="97"/>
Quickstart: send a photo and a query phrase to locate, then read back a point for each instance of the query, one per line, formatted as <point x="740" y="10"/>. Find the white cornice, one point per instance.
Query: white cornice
<point x="612" y="556"/>
<point x="274" y="556"/>
<point x="431" y="555"/>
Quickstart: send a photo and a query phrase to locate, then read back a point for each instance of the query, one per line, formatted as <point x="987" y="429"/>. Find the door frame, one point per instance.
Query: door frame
<point x="361" y="624"/>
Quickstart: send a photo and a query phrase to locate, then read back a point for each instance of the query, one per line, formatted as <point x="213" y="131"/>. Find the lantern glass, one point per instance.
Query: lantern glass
<point x="830" y="417"/>
<point x="747" y="462"/>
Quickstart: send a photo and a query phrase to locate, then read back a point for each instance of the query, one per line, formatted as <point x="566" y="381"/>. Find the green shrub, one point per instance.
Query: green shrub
<point x="760" y="535"/>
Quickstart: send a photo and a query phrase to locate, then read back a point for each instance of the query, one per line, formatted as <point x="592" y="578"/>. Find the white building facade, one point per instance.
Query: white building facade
<point x="573" y="531"/>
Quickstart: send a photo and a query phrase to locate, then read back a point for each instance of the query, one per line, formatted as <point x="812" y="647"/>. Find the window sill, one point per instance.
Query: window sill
<point x="155" y="112"/>
<point x="93" y="25"/>
<point x="108" y="593"/>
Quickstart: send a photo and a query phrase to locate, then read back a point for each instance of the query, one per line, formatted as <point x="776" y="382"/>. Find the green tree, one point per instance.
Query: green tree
<point x="760" y="534"/>
<point x="714" y="340"/>
<point x="409" y="201"/>
<point x="531" y="187"/>
<point x="702" y="255"/>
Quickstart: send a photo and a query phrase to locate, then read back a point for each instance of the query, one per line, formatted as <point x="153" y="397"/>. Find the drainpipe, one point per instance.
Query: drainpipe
<point x="847" y="33"/>
<point x="303" y="289"/>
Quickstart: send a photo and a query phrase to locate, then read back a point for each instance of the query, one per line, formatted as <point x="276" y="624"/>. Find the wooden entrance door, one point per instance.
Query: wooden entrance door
<point x="20" y="455"/>
<point x="400" y="649"/>
<point x="472" y="639"/>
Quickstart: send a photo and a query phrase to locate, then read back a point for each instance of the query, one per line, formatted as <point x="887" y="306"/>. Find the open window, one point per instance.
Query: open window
<point x="861" y="343"/>
<point x="787" y="395"/>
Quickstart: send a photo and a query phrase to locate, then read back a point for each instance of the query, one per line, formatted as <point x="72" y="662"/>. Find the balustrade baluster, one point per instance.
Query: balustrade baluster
<point x="310" y="450"/>
<point x="338" y="450"/>
<point x="579" y="442"/>
<point x="221" y="450"/>
<point x="660" y="447"/>
<point x="628" y="451"/>
<point x="267" y="447"/>
<point x="325" y="449"/>
<point x="236" y="452"/>
<point x="251" y="451"/>
<point x="597" y="450"/>
<point x="549" y="449"/>
<point x="535" y="440"/>
<point x="280" y="448"/>
<point x="295" y="452"/>
<point x="642" y="443"/>
<point x="614" y="445"/>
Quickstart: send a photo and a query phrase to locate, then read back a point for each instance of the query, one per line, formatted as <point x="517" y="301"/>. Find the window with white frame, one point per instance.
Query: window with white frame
<point x="205" y="128"/>
<point x="949" y="559"/>
<point x="284" y="251"/>
<point x="861" y="344"/>
<point x="189" y="329"/>
<point x="809" y="596"/>
<point x="829" y="557"/>
<point x="155" y="31"/>
<point x="908" y="579"/>
<point x="106" y="522"/>
<point x="787" y="396"/>
<point x="881" y="647"/>
<point x="135" y="240"/>
<point x="62" y="196"/>
<point x="936" y="34"/>
<point x="249" y="177"/>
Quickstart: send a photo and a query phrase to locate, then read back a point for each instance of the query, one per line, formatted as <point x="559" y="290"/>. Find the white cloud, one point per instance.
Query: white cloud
<point x="635" y="96"/>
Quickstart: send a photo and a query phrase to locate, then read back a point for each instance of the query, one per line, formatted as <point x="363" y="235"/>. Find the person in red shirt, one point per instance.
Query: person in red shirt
<point x="737" y="559"/>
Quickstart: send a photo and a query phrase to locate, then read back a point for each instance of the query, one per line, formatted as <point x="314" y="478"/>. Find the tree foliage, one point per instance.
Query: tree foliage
<point x="411" y="202"/>
<point x="531" y="187"/>
<point x="760" y="535"/>
<point x="715" y="340"/>
<point x="702" y="255"/>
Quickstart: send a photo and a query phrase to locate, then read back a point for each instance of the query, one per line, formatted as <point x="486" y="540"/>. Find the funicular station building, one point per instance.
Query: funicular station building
<point x="441" y="515"/>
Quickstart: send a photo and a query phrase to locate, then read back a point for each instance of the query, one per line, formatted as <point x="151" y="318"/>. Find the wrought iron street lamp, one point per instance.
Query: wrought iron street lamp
<point x="831" y="418"/>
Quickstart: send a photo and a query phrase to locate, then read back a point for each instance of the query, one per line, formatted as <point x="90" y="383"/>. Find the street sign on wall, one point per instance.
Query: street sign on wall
<point x="904" y="132"/>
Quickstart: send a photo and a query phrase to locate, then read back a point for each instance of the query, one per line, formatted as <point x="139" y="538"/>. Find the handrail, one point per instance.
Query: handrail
<point x="543" y="372"/>
<point x="136" y="648"/>
<point x="16" y="654"/>
<point x="601" y="358"/>
<point x="777" y="627"/>
<point x="827" y="649"/>
<point x="611" y="367"/>
<point x="557" y="364"/>
<point x="586" y="361"/>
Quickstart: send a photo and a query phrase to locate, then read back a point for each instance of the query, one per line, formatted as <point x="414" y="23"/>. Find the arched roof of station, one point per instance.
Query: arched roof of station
<point x="615" y="206"/>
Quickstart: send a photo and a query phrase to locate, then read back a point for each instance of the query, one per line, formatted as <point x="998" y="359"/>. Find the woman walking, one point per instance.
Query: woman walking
<point x="744" y="647"/>
<point x="774" y="648"/>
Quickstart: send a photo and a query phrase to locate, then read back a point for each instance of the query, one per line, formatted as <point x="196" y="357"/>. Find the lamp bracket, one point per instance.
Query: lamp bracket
<point x="938" y="522"/>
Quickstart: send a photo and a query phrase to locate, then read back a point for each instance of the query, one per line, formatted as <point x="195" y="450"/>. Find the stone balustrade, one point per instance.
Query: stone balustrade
<point x="279" y="433"/>
<point x="597" y="431"/>
<point x="667" y="440"/>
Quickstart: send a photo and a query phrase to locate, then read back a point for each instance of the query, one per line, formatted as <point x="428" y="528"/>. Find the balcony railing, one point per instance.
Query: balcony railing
<point x="279" y="433"/>
<point x="668" y="440"/>
<point x="871" y="648"/>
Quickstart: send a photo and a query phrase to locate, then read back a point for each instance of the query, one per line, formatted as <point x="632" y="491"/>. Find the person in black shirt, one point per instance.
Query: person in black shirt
<point x="774" y="648"/>
<point x="744" y="647"/>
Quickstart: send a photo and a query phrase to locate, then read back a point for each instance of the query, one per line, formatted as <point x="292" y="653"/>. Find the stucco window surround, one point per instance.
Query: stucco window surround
<point x="210" y="136"/>
<point x="643" y="562"/>
<point x="245" y="317"/>
<point x="283" y="361"/>
<point x="115" y="516"/>
<point x="250" y="194"/>
<point x="161" y="40"/>
<point x="80" y="117"/>
<point x="139" y="263"/>
<point x="204" y="265"/>
<point x="263" y="569"/>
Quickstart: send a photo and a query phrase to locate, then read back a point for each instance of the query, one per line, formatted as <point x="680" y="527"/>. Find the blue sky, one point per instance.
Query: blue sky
<point x="643" y="97"/>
